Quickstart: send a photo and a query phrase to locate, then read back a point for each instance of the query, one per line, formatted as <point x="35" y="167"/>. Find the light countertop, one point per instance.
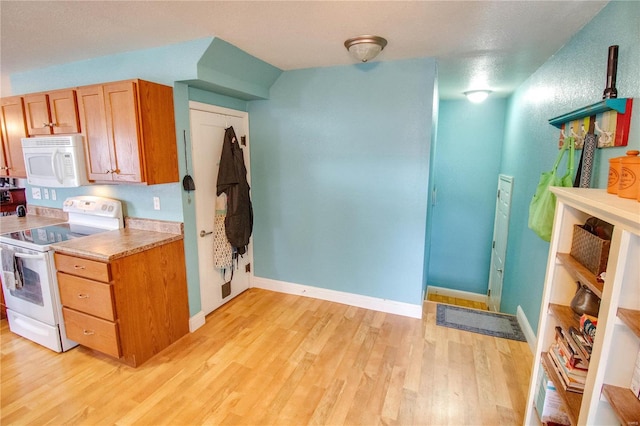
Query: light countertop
<point x="14" y="223"/>
<point x="138" y="235"/>
<point x="110" y="245"/>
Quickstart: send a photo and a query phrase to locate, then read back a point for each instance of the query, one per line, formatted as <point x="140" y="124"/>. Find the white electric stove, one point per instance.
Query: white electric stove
<point x="29" y="280"/>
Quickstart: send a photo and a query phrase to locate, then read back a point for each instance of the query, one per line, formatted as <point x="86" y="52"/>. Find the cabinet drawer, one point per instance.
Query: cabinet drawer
<point x="83" y="267"/>
<point x="91" y="297"/>
<point x="92" y="332"/>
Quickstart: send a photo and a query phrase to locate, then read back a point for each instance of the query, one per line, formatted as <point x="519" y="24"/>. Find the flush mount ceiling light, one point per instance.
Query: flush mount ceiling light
<point x="477" y="96"/>
<point x="365" y="47"/>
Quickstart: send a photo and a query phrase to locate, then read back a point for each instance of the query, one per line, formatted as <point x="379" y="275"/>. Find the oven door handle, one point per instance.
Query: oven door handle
<point x="29" y="256"/>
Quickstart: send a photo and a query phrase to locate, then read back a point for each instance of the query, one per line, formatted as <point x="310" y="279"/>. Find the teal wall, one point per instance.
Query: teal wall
<point x="340" y="159"/>
<point x="173" y="65"/>
<point x="465" y="175"/>
<point x="137" y="200"/>
<point x="574" y="77"/>
<point x="163" y="65"/>
<point x="339" y="164"/>
<point x="227" y="70"/>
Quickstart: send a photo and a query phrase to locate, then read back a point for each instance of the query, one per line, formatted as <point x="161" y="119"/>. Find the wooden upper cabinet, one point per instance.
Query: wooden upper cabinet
<point x="52" y="113"/>
<point x="37" y="114"/>
<point x="129" y="128"/>
<point x="14" y="128"/>
<point x="93" y="120"/>
<point x="121" y="104"/>
<point x="64" y="111"/>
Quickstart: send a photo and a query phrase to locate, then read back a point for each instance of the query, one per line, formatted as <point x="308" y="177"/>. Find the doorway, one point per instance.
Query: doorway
<point x="208" y="124"/>
<point x="499" y="243"/>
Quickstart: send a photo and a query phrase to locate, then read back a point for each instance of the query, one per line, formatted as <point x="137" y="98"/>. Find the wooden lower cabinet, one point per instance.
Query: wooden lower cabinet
<point x="131" y="307"/>
<point x="92" y="332"/>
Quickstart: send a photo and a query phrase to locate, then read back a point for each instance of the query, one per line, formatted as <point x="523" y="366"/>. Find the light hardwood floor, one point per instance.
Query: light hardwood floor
<point x="457" y="301"/>
<point x="271" y="358"/>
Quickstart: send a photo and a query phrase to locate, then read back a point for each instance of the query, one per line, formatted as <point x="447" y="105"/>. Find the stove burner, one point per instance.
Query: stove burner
<point x="52" y="234"/>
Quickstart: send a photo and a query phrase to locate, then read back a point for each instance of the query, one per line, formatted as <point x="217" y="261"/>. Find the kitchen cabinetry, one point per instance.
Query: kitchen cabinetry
<point x="607" y="398"/>
<point x="131" y="307"/>
<point x="51" y="113"/>
<point x="14" y="128"/>
<point x="130" y="134"/>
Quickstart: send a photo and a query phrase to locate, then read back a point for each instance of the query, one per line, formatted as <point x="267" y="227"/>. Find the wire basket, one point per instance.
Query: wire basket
<point x="590" y="250"/>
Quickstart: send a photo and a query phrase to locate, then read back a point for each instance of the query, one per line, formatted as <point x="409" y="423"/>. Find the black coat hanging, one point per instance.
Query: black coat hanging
<point x="232" y="180"/>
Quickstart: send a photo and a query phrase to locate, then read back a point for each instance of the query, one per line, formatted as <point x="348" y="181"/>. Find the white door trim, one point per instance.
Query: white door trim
<point x="238" y="116"/>
<point x="493" y="300"/>
<point x="219" y="110"/>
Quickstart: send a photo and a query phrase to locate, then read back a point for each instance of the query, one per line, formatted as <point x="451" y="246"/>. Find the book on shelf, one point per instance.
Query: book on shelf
<point x="549" y="405"/>
<point x="572" y="365"/>
<point x="571" y="380"/>
<point x="582" y="343"/>
<point x="570" y="350"/>
<point x="571" y="371"/>
<point x="588" y="326"/>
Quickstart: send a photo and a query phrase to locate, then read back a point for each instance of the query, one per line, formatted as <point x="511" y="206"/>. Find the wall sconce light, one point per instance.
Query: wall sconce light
<point x="477" y="96"/>
<point x="365" y="47"/>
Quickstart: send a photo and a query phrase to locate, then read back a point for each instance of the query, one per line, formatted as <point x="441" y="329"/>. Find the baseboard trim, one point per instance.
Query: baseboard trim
<point x="459" y="294"/>
<point x="351" y="299"/>
<point x="196" y="321"/>
<point x="526" y="329"/>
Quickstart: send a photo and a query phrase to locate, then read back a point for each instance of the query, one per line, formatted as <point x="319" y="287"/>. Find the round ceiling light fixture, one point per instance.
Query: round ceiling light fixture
<point x="477" y="96"/>
<point x="365" y="47"/>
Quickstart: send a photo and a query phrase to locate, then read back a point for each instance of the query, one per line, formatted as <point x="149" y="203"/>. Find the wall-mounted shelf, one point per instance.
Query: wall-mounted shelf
<point x="606" y="398"/>
<point x="618" y="104"/>
<point x="580" y="273"/>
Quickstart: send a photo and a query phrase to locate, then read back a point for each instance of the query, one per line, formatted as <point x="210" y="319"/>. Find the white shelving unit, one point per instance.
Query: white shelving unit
<point x="607" y="398"/>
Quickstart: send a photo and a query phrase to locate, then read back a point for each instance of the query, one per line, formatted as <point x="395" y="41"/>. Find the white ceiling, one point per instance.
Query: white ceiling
<point x="478" y="44"/>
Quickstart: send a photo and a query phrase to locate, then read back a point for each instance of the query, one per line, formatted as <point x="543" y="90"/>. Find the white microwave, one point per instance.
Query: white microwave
<point x="55" y="161"/>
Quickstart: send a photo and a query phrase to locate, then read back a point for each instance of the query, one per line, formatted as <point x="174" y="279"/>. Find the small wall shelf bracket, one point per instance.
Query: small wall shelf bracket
<point x="617" y="104"/>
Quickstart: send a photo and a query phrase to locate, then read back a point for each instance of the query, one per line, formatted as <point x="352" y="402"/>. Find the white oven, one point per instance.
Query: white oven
<point x="28" y="271"/>
<point x="33" y="306"/>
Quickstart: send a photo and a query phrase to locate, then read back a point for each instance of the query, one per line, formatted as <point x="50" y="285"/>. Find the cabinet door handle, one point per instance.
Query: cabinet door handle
<point x="88" y="332"/>
<point x="83" y="296"/>
<point x="78" y="267"/>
